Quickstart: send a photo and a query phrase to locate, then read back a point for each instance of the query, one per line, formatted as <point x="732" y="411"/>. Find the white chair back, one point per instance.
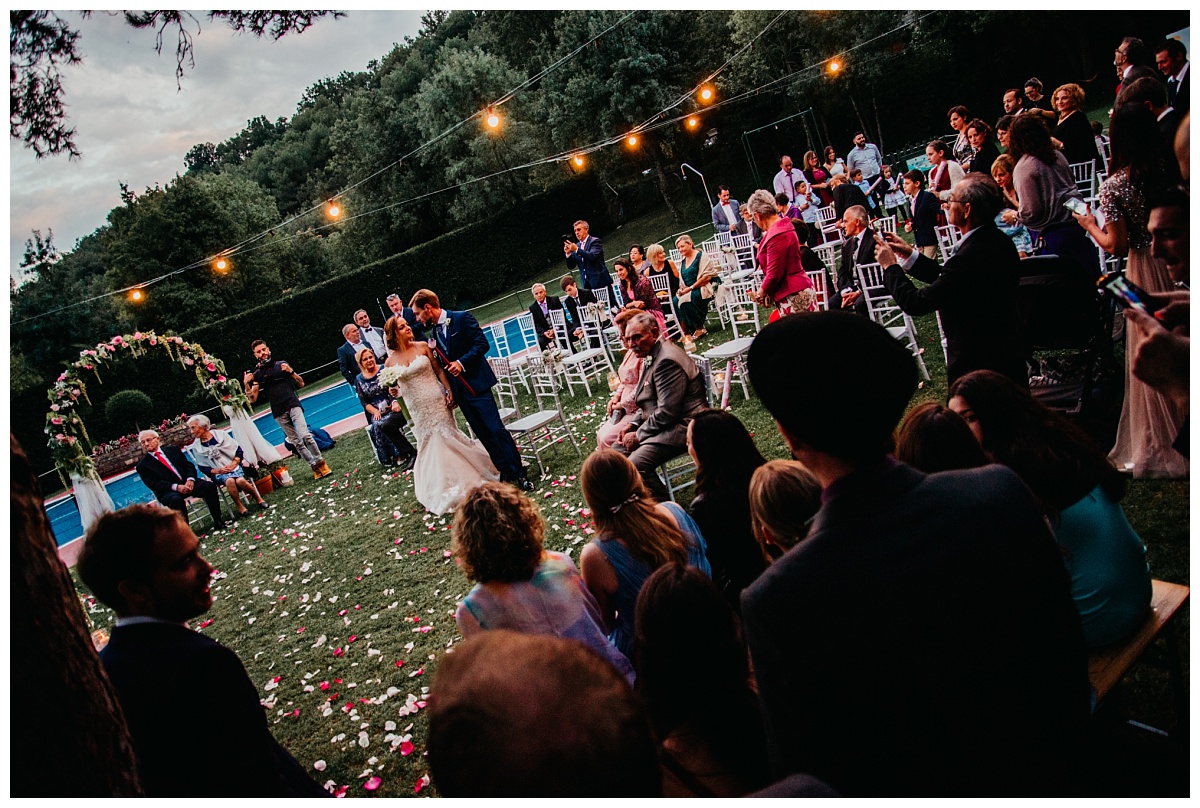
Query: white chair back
<point x="817" y="276"/>
<point x="741" y="308"/>
<point x="1084" y="175"/>
<point x="743" y="247"/>
<point x="602" y="298"/>
<point x="885" y="224"/>
<point x="499" y="338"/>
<point x="948" y="237"/>
<point x="528" y="332"/>
<point x="562" y="336"/>
<point x="884" y="309"/>
<point x="827" y="253"/>
<point x="505" y="388"/>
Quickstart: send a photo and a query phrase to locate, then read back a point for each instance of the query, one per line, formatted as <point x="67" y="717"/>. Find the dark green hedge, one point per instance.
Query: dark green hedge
<point x="466" y="267"/>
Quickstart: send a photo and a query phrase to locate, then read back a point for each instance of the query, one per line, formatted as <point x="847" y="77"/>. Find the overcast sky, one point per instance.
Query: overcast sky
<point x="134" y="126"/>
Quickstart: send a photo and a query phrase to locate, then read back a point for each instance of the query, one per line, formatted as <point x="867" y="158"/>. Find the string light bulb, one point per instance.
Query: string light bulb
<point x="707" y="93"/>
<point x="834" y="65"/>
<point x="632" y="140"/>
<point x="221" y="265"/>
<point x="693" y="122"/>
<point x="333" y="210"/>
<point x="578" y="160"/>
<point x="137" y="295"/>
<point x="492" y="119"/>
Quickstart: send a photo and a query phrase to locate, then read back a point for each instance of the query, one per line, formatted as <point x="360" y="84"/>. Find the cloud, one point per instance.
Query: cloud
<point x="134" y="126"/>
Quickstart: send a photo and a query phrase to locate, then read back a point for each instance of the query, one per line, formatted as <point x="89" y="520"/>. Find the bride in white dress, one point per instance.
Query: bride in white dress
<point x="449" y="464"/>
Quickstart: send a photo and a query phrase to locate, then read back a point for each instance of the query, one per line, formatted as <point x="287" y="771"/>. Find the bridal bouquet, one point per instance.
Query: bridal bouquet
<point x="389" y="377"/>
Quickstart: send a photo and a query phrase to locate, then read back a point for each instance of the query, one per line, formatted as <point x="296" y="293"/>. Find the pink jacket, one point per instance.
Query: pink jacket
<point x="779" y="257"/>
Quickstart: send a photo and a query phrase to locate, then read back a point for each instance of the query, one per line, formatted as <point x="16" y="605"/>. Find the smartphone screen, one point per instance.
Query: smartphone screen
<point x="1076" y="206"/>
<point x="1127" y="293"/>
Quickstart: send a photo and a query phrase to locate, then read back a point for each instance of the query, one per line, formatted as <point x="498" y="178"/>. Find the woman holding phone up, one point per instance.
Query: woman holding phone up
<point x="1149" y="421"/>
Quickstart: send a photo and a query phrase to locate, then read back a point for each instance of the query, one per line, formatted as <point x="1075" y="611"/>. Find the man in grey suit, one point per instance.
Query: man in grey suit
<point x="922" y="639"/>
<point x="669" y="393"/>
<point x="726" y="214"/>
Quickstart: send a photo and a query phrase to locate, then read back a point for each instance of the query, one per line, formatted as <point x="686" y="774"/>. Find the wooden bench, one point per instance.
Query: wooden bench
<point x="1107" y="666"/>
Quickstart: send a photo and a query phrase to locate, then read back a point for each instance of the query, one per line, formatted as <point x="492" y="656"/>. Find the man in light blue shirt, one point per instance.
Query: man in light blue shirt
<point x="866" y="156"/>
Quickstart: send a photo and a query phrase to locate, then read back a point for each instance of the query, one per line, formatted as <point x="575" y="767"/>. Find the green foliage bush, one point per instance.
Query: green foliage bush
<point x="465" y="267"/>
<point x="129" y="408"/>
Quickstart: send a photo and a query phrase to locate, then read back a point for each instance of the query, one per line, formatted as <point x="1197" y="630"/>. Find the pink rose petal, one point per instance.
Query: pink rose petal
<point x="421" y="783"/>
<point x="372" y="784"/>
<point x="406" y="748"/>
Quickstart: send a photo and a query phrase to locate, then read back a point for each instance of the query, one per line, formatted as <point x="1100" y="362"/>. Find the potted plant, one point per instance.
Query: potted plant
<point x="280" y="475"/>
<point x="263" y="480"/>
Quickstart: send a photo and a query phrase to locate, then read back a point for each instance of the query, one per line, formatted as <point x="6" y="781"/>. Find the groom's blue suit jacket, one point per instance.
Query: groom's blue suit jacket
<point x="467" y="344"/>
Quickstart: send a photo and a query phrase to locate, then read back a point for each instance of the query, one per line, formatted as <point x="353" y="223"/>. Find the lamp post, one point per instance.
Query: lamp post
<point x="683" y="173"/>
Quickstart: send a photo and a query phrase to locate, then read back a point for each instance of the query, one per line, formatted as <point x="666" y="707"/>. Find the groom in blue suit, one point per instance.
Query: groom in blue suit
<point x="462" y="349"/>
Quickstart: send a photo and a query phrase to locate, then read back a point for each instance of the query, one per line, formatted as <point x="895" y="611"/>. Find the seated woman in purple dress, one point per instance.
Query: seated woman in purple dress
<point x="621" y="407"/>
<point x="638" y="292"/>
<point x="519" y="585"/>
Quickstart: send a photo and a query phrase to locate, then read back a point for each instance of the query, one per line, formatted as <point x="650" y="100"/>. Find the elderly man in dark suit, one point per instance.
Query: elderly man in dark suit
<point x="168" y="473"/>
<point x="194" y="716"/>
<point x="1132" y="62"/>
<point x="347" y="352"/>
<point x="857" y="249"/>
<point x="922" y="639"/>
<point x="397" y="307"/>
<point x="669" y="394"/>
<point x="540" y="309"/>
<point x="976" y="291"/>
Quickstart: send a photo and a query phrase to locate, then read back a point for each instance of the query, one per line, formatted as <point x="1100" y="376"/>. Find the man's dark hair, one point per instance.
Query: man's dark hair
<point x="915" y="176"/>
<point x="1034" y="83"/>
<point x="1139" y="91"/>
<point x="118" y="548"/>
<point x="537" y="716"/>
<point x="801" y="230"/>
<point x="256" y="343"/>
<point x="723" y="188"/>
<point x="1173" y="47"/>
<point x="1135" y="51"/>
<point x="1020" y="93"/>
<point x="856" y="134"/>
<point x="872" y="397"/>
<point x="1172" y="196"/>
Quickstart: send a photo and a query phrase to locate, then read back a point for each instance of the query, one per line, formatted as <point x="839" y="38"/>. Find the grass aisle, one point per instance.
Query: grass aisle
<point x="340" y="599"/>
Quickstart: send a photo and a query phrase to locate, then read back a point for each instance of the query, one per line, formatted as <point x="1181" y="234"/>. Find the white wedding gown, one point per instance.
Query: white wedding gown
<point x="449" y="464"/>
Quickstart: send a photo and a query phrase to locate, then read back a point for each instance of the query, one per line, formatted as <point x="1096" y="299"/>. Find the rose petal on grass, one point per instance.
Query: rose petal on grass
<point x="406" y="748"/>
<point x="422" y="781"/>
<point x="372" y="784"/>
<point x="320" y="765"/>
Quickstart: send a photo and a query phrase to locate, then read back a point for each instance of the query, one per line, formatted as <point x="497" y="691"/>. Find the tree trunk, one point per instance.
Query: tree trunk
<point x="661" y="175"/>
<point x="68" y="734"/>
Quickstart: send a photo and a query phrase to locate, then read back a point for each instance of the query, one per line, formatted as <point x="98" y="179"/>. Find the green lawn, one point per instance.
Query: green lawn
<point x="339" y="600"/>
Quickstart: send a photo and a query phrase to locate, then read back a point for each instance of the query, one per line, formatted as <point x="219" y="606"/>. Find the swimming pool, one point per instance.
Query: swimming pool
<point x="322" y="408"/>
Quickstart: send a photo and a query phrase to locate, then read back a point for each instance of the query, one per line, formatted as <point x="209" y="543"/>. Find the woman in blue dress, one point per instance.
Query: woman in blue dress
<point x="634" y="536"/>
<point x="698" y="275"/>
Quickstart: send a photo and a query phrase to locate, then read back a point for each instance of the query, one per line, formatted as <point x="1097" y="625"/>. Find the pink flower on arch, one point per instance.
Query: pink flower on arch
<point x="54" y="407"/>
<point x="137" y="334"/>
<point x="117" y="340"/>
<point x="56" y="421"/>
<point x="188" y="361"/>
<point x="211" y="367"/>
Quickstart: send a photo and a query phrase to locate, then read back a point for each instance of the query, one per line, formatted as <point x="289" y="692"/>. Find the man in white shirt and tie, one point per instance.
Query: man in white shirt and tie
<point x="725" y="213"/>
<point x="166" y="471"/>
<point x="786" y="179"/>
<point x="1171" y="60"/>
<point x="370" y="334"/>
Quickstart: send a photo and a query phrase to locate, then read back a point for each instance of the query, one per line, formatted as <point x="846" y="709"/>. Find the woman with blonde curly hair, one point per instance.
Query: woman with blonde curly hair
<point x="784" y="496"/>
<point x="497" y="538"/>
<point x="1072" y="128"/>
<point x="634" y="536"/>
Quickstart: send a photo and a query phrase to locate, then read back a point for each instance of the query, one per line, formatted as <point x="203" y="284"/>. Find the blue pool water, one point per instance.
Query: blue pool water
<point x="320" y="409"/>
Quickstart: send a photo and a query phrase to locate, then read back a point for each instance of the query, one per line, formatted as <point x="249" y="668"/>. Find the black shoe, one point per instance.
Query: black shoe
<point x="262" y="506"/>
<point x="410" y="462"/>
<point x="217" y="526"/>
<point x="526" y="485"/>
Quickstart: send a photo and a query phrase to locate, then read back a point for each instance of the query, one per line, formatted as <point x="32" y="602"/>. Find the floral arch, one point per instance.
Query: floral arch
<point x="70" y="445"/>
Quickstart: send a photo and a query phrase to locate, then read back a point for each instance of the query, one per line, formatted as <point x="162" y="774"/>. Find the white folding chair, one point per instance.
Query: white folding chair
<point x="528" y="343"/>
<point x="743" y="248"/>
<point x="595" y="334"/>
<point x="733" y="354"/>
<point x="583" y="363"/>
<point x="505" y="388"/>
<point x="828" y="255"/>
<point x="677" y="474"/>
<point x="705" y="367"/>
<point x="602" y="297"/>
<point x="662" y="287"/>
<point x="883" y="309"/>
<point x="827" y="221"/>
<point x="885" y="224"/>
<point x="676" y="256"/>
<point x="1084" y="175"/>
<point x="538" y="431"/>
<point x="1106" y="152"/>
<point x="948" y="237"/>
<point x="740" y="306"/>
<point x="817" y="276"/>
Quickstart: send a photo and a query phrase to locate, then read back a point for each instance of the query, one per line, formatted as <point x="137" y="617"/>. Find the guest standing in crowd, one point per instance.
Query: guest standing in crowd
<point x="634" y="536"/>
<point x="784" y="497"/>
<point x="1171" y="58"/>
<point x="1149" y="421"/>
<point x="785" y="181"/>
<point x="785" y="282"/>
<point x="697" y="275"/>
<point x="866" y="158"/>
<point x="497" y="539"/>
<point x="1043" y="182"/>
<point x="690" y="655"/>
<point x="587" y="253"/>
<point x="279" y="381"/>
<point x="925" y="212"/>
<point x="983" y="151"/>
<point x="725" y="212"/>
<point x="1072" y="129"/>
<point x="959" y="119"/>
<point x="945" y="174"/>
<point x="808" y="203"/>
<point x="726" y="459"/>
<point x="817" y="178"/>
<point x="834" y="165"/>
<point x="895" y="202"/>
<point x="846" y="195"/>
<point x="1078" y="489"/>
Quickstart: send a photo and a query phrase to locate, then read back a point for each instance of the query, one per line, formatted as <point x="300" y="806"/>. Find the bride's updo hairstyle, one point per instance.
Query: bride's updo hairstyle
<point x="391" y="333"/>
<point x="623" y="508"/>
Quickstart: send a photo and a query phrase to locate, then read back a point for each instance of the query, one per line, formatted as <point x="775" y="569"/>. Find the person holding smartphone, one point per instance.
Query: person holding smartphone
<point x="1149" y="421"/>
